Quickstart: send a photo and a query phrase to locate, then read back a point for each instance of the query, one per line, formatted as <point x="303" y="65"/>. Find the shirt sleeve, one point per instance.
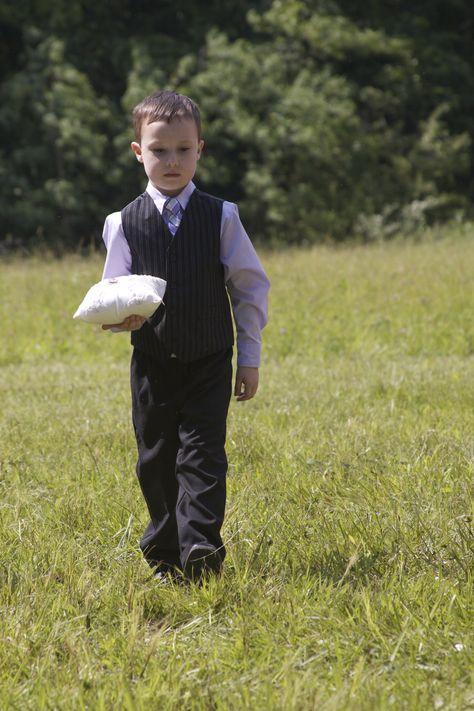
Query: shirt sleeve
<point x="119" y="259"/>
<point x="247" y="285"/>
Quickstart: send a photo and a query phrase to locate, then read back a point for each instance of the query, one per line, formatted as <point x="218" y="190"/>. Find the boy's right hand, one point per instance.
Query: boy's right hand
<point x="131" y="323"/>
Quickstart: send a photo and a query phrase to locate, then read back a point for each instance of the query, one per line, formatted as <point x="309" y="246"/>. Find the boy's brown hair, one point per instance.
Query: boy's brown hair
<point x="165" y="106"/>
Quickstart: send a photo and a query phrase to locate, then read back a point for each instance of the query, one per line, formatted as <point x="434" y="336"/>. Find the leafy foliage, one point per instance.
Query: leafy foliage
<point x="322" y="119"/>
<point x="52" y="164"/>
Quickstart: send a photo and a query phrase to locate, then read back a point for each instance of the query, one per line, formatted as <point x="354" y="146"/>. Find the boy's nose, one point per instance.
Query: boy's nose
<point x="173" y="159"/>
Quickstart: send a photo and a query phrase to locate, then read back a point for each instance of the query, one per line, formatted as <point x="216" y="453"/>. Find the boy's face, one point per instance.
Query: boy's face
<point x="169" y="153"/>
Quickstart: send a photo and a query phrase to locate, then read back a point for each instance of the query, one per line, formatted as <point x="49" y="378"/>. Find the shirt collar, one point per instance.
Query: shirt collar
<point x="159" y="199"/>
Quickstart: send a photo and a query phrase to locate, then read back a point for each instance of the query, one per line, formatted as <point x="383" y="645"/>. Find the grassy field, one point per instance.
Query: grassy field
<point x="349" y="578"/>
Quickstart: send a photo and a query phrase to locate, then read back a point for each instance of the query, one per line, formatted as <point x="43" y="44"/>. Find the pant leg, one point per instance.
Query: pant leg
<point x="201" y="462"/>
<point x="156" y="393"/>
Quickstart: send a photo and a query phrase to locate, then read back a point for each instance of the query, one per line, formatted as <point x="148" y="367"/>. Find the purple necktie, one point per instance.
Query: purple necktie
<point x="172" y="214"/>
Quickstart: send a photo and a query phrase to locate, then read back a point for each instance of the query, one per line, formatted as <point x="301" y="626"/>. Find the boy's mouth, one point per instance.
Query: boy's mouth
<point x="172" y="175"/>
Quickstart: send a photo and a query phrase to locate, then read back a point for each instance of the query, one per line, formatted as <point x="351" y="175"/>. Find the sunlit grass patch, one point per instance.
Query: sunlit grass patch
<point x="348" y="578"/>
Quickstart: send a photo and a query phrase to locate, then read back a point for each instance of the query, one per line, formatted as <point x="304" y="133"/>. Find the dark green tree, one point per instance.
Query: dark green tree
<point x="322" y="118"/>
<point x="53" y="162"/>
<point x="316" y="120"/>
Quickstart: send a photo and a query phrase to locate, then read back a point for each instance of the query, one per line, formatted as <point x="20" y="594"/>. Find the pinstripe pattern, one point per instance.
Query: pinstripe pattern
<point x="195" y="319"/>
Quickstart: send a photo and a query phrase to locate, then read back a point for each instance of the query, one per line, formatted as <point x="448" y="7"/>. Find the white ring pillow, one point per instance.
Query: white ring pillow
<point x="110" y="301"/>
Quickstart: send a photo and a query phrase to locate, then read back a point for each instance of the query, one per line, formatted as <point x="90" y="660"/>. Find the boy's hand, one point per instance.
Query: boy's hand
<point x="131" y="323"/>
<point x="246" y="383"/>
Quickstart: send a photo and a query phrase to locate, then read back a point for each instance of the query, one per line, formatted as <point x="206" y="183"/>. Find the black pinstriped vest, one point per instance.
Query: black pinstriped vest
<point x="195" y="318"/>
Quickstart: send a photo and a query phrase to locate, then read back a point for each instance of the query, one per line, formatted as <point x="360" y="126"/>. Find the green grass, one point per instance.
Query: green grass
<point x="349" y="578"/>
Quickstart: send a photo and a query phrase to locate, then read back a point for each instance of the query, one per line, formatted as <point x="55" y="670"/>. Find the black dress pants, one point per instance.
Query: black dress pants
<point x="179" y="415"/>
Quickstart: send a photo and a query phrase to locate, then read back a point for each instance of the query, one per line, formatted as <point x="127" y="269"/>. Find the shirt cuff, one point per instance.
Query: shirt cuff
<point x="248" y="353"/>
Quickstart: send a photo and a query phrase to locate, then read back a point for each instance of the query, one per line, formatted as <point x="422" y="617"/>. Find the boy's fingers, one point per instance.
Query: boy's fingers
<point x="244" y="390"/>
<point x="136" y="322"/>
<point x="107" y="326"/>
<point x="246" y="383"/>
<point x="131" y="323"/>
<point x="238" y="386"/>
<point x="249" y="391"/>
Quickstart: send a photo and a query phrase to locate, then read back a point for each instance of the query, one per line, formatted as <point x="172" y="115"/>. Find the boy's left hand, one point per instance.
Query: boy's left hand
<point x="246" y="383"/>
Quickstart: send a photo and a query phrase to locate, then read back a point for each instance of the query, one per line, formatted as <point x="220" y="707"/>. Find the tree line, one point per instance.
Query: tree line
<point x="323" y="119"/>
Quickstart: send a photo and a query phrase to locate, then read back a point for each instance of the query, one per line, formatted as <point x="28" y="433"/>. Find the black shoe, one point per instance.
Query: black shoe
<point x="203" y="558"/>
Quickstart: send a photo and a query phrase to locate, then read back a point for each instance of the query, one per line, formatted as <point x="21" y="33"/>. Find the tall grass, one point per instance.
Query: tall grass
<point x="349" y="577"/>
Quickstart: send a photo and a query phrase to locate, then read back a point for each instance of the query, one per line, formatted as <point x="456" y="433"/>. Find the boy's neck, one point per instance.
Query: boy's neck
<point x="160" y="198"/>
<point x="168" y="194"/>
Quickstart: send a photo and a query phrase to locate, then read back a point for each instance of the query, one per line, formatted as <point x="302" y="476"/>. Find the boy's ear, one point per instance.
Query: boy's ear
<point x="136" y="148"/>
<point x="200" y="148"/>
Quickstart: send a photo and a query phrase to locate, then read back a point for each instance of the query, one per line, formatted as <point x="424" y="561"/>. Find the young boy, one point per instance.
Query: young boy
<point x="181" y="369"/>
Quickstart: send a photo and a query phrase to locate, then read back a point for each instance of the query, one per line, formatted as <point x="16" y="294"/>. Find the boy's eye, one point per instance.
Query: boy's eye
<point x="183" y="150"/>
<point x="158" y="150"/>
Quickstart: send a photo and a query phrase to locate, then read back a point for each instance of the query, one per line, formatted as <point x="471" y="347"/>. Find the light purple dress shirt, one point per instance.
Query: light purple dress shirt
<point x="245" y="279"/>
